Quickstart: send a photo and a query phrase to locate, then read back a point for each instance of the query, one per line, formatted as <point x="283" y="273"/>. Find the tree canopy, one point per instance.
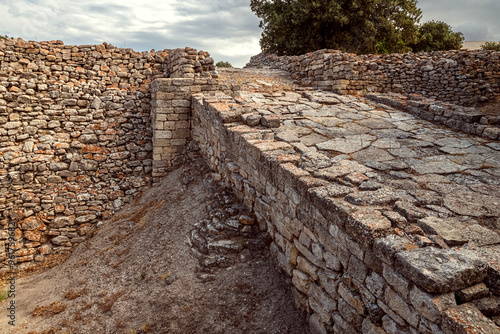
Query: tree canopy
<point x="293" y="27"/>
<point x="437" y="36"/>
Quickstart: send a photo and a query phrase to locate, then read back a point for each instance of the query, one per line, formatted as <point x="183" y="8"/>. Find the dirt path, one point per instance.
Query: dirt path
<point x="184" y="258"/>
<point x="258" y="80"/>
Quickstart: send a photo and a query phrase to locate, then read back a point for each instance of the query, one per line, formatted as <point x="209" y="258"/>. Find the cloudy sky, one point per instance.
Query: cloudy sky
<point x="225" y="28"/>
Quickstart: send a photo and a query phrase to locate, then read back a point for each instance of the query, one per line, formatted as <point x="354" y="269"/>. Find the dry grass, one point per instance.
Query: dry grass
<point x="120" y="324"/>
<point x="108" y="302"/>
<point x="83" y="263"/>
<point x="50" y="310"/>
<point x="73" y="294"/>
<point x="146" y="327"/>
<point x="116" y="264"/>
<point x="51" y="330"/>
<point x="86" y="306"/>
<point x="135" y="215"/>
<point x="51" y="261"/>
<point x="77" y="316"/>
<point x="164" y="277"/>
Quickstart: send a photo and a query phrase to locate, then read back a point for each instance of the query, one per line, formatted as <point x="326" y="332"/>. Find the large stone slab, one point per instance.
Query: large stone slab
<point x="372" y="154"/>
<point x="441" y="270"/>
<point x="469" y="203"/>
<point x="347" y="145"/>
<point x="466" y="318"/>
<point x="444" y="166"/>
<point x="341" y="168"/>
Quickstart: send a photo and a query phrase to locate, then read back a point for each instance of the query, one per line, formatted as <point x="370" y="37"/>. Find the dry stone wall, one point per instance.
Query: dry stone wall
<point x="189" y="63"/>
<point x="462" y="77"/>
<point x="83" y="128"/>
<point x="351" y="271"/>
<point x="75" y="137"/>
<point x="171" y="117"/>
<point x="459" y="118"/>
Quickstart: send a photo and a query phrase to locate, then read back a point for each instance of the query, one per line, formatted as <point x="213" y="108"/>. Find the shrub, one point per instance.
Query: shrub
<point x="494" y="46"/>
<point x="223" y="64"/>
<point x="3" y="295"/>
<point x="437" y="36"/>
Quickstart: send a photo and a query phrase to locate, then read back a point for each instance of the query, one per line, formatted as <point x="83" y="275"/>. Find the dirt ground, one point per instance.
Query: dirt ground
<point x="186" y="257"/>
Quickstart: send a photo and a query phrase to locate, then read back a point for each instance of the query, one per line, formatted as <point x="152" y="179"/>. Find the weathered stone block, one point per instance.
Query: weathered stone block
<point x="474" y="292"/>
<point x="398" y="282"/>
<point x="399" y="305"/>
<point x="431" y="306"/>
<point x="60" y="240"/>
<point x="321" y="303"/>
<point x="352" y="298"/>
<point x="349" y="314"/>
<point x="441" y="270"/>
<point x="466" y="318"/>
<point x="301" y="281"/>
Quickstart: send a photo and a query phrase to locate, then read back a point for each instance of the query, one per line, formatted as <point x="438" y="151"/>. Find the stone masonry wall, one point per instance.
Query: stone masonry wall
<point x="462" y="77"/>
<point x="171" y="117"/>
<point x="349" y="271"/>
<point x="75" y="138"/>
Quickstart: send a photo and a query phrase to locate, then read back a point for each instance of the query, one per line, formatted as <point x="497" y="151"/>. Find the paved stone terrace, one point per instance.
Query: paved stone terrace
<point x="390" y="188"/>
<point x="406" y="168"/>
<point x="361" y="200"/>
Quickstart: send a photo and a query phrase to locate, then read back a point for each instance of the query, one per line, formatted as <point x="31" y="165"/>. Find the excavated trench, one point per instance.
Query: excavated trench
<point x="185" y="257"/>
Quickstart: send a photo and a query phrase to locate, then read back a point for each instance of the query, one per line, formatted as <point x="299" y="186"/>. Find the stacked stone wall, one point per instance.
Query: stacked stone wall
<point x="75" y="138"/>
<point x="461" y="77"/>
<point x="171" y="117"/>
<point x="350" y="273"/>
<point x="189" y="63"/>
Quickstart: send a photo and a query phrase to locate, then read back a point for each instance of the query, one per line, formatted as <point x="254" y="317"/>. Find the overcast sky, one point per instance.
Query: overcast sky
<point x="226" y="28"/>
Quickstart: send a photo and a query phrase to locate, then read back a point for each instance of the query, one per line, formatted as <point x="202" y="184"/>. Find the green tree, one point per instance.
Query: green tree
<point x="4" y="37"/>
<point x="292" y="27"/>
<point x="223" y="64"/>
<point x="437" y="36"/>
<point x="495" y="46"/>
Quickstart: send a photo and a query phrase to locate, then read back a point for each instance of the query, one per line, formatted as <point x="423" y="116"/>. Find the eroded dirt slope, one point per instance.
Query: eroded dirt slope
<point x="184" y="258"/>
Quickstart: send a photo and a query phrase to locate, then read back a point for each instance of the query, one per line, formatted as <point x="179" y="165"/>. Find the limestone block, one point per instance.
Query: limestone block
<point x="321" y="303"/>
<point x="352" y="298"/>
<point x="301" y="281"/>
<point x="60" y="240"/>
<point x="399" y="305"/>
<point x="307" y="267"/>
<point x="431" y="306"/>
<point x="349" y="314"/>
<point x="441" y="270"/>
<point x="466" y="318"/>
<point x="398" y="282"/>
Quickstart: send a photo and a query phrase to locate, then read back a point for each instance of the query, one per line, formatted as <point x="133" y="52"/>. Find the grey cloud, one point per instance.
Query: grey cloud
<point x="477" y="20"/>
<point x="475" y="32"/>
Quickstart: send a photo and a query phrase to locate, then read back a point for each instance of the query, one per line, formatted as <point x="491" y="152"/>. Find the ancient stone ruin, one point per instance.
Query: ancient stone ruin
<point x="383" y="205"/>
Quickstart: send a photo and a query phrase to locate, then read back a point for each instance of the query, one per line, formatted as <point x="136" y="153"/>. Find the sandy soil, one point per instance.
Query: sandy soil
<point x="184" y="258"/>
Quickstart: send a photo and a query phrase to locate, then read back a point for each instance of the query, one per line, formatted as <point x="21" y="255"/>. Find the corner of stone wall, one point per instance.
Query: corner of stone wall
<point x="171" y="117"/>
<point x="189" y="63"/>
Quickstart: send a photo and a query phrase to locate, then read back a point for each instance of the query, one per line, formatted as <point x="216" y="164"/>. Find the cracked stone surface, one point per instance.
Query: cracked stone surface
<point x="385" y="159"/>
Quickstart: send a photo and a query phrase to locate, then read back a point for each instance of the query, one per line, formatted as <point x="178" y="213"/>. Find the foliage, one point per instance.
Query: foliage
<point x="223" y="64"/>
<point x="4" y="37"/>
<point x="495" y="46"/>
<point x="3" y="295"/>
<point x="293" y="27"/>
<point x="437" y="36"/>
